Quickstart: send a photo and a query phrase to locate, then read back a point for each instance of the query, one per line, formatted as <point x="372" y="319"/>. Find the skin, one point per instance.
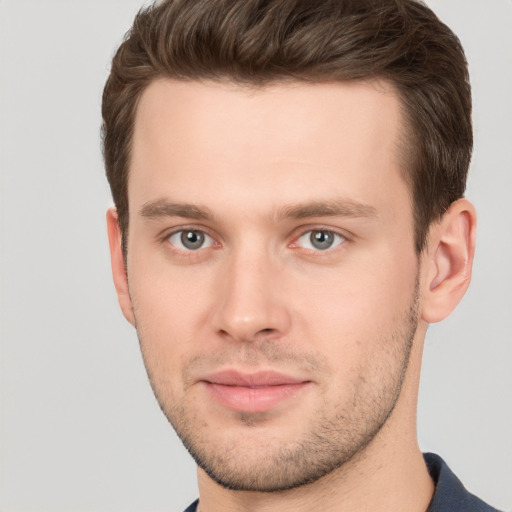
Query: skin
<point x="257" y="171"/>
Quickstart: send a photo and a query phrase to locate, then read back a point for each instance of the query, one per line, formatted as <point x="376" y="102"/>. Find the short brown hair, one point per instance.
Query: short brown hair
<point x="258" y="42"/>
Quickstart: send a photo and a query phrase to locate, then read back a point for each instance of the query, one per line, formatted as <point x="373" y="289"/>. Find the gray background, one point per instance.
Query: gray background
<point x="79" y="427"/>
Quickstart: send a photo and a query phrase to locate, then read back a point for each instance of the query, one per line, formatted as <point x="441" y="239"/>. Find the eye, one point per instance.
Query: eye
<point x="320" y="240"/>
<point x="190" y="240"/>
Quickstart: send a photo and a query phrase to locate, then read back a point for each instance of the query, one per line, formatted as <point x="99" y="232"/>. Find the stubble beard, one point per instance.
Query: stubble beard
<point x="333" y="438"/>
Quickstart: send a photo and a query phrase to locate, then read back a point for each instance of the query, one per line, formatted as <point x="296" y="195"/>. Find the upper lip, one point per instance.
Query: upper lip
<point x="256" y="379"/>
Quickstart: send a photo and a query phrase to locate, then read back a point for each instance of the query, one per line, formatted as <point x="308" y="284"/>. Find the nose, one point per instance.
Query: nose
<point x="250" y="303"/>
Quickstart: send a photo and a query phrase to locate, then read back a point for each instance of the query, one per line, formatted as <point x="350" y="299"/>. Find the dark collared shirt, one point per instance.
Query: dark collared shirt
<point x="450" y="495"/>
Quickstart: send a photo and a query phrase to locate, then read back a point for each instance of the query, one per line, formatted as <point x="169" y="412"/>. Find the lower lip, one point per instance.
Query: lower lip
<point x="254" y="399"/>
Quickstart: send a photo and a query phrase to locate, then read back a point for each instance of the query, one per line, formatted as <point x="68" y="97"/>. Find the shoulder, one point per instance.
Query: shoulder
<point x="192" y="508"/>
<point x="450" y="495"/>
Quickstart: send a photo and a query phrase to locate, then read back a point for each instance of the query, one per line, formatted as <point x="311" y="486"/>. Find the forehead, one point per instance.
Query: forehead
<point x="297" y="140"/>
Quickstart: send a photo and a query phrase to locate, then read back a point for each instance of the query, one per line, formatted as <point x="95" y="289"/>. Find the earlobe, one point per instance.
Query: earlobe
<point x="118" y="265"/>
<point x="448" y="261"/>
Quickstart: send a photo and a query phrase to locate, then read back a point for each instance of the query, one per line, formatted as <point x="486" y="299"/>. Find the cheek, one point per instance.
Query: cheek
<point x="169" y="310"/>
<point x="350" y="307"/>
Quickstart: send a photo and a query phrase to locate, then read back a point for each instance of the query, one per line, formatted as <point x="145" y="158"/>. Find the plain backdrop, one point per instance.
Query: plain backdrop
<point x="80" y="429"/>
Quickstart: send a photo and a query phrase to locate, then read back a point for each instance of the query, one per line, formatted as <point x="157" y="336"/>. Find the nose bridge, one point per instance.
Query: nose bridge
<point x="249" y="304"/>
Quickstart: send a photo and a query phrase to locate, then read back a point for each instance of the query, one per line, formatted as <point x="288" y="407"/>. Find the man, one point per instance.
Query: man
<point x="288" y="179"/>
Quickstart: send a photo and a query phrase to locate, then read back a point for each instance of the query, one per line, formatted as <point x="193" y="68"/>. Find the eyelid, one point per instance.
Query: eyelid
<point x="304" y="230"/>
<point x="175" y="240"/>
<point x="167" y="234"/>
<point x="301" y="231"/>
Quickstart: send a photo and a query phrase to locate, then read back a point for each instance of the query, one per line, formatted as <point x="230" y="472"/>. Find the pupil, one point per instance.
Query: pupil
<point x="192" y="239"/>
<point x="321" y="239"/>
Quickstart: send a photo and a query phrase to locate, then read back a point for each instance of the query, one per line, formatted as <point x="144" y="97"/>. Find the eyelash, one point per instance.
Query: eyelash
<point x="341" y="237"/>
<point x="186" y="229"/>
<point x="338" y="239"/>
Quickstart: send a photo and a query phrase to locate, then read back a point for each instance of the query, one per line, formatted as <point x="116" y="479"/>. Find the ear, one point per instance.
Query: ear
<point x="118" y="265"/>
<point x="448" y="261"/>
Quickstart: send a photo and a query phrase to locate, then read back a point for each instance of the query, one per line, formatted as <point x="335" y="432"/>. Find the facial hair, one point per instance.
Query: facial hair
<point x="331" y="437"/>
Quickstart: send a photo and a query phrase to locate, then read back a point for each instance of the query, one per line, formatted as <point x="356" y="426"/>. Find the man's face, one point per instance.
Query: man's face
<point x="272" y="271"/>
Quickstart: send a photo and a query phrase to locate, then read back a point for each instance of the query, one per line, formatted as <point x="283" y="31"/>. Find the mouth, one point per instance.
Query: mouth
<point x="253" y="392"/>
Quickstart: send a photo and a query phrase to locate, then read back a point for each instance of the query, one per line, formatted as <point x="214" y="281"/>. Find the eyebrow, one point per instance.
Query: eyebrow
<point x="162" y="208"/>
<point x="330" y="208"/>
